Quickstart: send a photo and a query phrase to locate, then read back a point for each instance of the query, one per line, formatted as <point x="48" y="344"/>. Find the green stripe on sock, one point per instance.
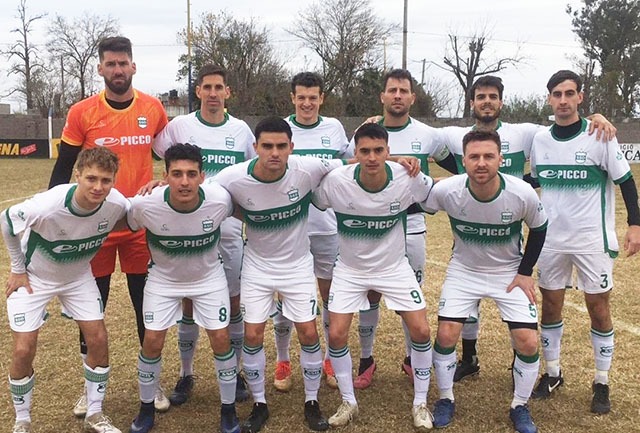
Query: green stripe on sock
<point x="471" y="320"/>
<point x="94" y="377"/>
<point x="313" y="348"/>
<point x="444" y="350"/>
<point x="251" y="350"/>
<point x="555" y="325"/>
<point x="279" y="306"/>
<point x="325" y="305"/>
<point x="421" y="347"/>
<point x="236" y="319"/>
<point x="22" y="389"/>
<point x="339" y="353"/>
<point x="225" y="356"/>
<point x="186" y="320"/>
<point x="602" y="333"/>
<point x="372" y="307"/>
<point x="149" y="360"/>
<point x="528" y="359"/>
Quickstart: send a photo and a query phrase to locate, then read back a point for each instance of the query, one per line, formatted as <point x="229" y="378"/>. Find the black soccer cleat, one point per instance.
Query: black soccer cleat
<point x="546" y="386"/>
<point x="600" y="404"/>
<point x="466" y="369"/>
<point x="259" y="415"/>
<point x="182" y="390"/>
<point x="242" y="393"/>
<point x="313" y="417"/>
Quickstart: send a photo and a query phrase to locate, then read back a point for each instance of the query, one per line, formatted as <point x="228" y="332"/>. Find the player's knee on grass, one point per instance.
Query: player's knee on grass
<point x="95" y="335"/>
<point x="153" y="343"/>
<point x="338" y="333"/>
<point x="253" y="334"/>
<point x="24" y="351"/>
<point x="552" y="303"/>
<point x="448" y="332"/>
<point x="307" y="332"/>
<point x="525" y="340"/>
<point x="219" y="339"/>
<point x="599" y="311"/>
<point x="417" y="324"/>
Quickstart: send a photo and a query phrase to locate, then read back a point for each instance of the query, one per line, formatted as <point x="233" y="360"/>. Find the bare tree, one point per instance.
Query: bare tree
<point x="28" y="63"/>
<point x="466" y="58"/>
<point x="346" y="35"/>
<point x="257" y="77"/>
<point x="77" y="43"/>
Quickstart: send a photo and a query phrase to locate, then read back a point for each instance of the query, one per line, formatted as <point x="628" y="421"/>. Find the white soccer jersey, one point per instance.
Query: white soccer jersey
<point x="418" y="140"/>
<point x="223" y="144"/>
<point x="183" y="245"/>
<point x="58" y="243"/>
<point x="371" y="224"/>
<point x="487" y="234"/>
<point x="515" y="145"/>
<point x="275" y="214"/>
<point x="577" y="177"/>
<point x="324" y="139"/>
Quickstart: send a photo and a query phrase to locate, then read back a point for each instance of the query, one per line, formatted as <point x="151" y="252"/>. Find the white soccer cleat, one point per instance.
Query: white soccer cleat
<point x="422" y="418"/>
<point x="22" y="427"/>
<point x="80" y="409"/>
<point x="99" y="423"/>
<point x="160" y="401"/>
<point x="344" y="415"/>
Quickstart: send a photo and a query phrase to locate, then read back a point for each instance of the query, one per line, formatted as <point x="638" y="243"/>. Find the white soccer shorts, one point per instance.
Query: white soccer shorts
<point x="80" y="301"/>
<point x="463" y="289"/>
<point x="298" y="296"/>
<point x="162" y="305"/>
<point x="324" y="249"/>
<point x="399" y="288"/>
<point x="595" y="271"/>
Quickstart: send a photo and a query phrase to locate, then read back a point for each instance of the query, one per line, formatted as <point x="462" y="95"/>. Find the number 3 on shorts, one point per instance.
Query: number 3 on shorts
<point x="605" y="281"/>
<point x="416" y="296"/>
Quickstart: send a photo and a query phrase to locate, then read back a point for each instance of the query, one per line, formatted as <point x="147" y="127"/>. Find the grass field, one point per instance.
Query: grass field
<point x="482" y="403"/>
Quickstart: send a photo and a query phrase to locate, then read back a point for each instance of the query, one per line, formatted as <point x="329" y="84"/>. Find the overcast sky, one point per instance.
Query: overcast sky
<point x="541" y="27"/>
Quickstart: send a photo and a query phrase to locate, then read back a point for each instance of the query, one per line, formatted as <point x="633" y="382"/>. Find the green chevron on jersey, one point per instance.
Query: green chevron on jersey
<point x="183" y="245"/>
<point x="63" y="251"/>
<point x="215" y="160"/>
<point x="369" y="227"/>
<point x="484" y="233"/>
<point x="565" y="177"/>
<point x="317" y="153"/>
<point x="278" y="218"/>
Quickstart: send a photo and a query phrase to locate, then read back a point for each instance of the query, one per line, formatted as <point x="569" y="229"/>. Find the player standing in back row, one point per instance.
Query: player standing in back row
<point x="577" y="175"/>
<point x="126" y="121"/>
<point x="320" y="137"/>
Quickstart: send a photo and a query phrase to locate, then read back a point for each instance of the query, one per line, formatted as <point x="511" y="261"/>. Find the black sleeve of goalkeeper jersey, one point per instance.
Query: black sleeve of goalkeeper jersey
<point x="535" y="241"/>
<point x="63" y="168"/>
<point x="531" y="180"/>
<point x="449" y="164"/>
<point x="630" y="197"/>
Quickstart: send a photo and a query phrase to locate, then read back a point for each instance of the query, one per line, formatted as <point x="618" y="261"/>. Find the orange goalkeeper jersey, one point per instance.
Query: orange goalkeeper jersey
<point x="129" y="133"/>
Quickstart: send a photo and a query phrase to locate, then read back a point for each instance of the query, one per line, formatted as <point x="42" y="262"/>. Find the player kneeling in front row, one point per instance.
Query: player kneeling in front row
<point x="182" y="220"/>
<point x="62" y="229"/>
<point x="370" y="201"/>
<point x="486" y="210"/>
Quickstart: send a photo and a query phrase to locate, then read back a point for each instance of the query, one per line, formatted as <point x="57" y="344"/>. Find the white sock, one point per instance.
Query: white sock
<point x="341" y="362"/>
<point x="95" y="381"/>
<point x="603" y="344"/>
<point x="226" y="367"/>
<point x="367" y="329"/>
<point x="470" y="329"/>
<point x="407" y="338"/>
<point x="444" y="363"/>
<point x="236" y="335"/>
<point x="254" y="365"/>
<point x="325" y="326"/>
<point x="311" y="364"/>
<point x="525" y="372"/>
<point x="188" y="332"/>
<point x="148" y="377"/>
<point x="421" y="359"/>
<point x="21" y="392"/>
<point x="282" y="328"/>
<point x="550" y="339"/>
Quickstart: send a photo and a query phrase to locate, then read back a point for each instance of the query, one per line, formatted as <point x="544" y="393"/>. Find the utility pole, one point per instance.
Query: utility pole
<point x="424" y="61"/>
<point x="189" y="54"/>
<point x="404" y="36"/>
<point x="384" y="53"/>
<point x="62" y="107"/>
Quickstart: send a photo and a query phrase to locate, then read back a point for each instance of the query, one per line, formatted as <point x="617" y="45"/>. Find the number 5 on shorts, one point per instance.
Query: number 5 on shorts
<point x="416" y="296"/>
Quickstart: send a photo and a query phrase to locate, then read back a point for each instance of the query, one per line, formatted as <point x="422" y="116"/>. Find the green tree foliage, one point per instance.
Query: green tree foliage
<point x="532" y="108"/>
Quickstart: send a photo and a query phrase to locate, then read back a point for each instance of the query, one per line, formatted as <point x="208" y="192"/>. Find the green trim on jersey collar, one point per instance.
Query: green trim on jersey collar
<point x="293" y="120"/>
<point x="251" y="169"/>
<point x="214" y="125"/>
<point x="69" y="197"/>
<point x="474" y="127"/>
<point x="466" y="184"/>
<point x="200" y="200"/>
<point x="394" y="128"/>
<point x="583" y="127"/>
<point x="356" y="176"/>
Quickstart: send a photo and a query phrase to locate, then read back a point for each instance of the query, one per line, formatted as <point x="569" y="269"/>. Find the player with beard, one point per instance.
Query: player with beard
<point x="126" y="121"/>
<point x="516" y="139"/>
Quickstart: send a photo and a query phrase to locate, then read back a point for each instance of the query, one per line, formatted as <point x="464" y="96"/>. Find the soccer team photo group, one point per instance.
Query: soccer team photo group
<point x="399" y="239"/>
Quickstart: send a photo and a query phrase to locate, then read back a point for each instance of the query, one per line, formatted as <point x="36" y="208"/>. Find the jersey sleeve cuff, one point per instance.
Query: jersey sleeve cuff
<point x="540" y="228"/>
<point x="71" y="141"/>
<point x="624" y="178"/>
